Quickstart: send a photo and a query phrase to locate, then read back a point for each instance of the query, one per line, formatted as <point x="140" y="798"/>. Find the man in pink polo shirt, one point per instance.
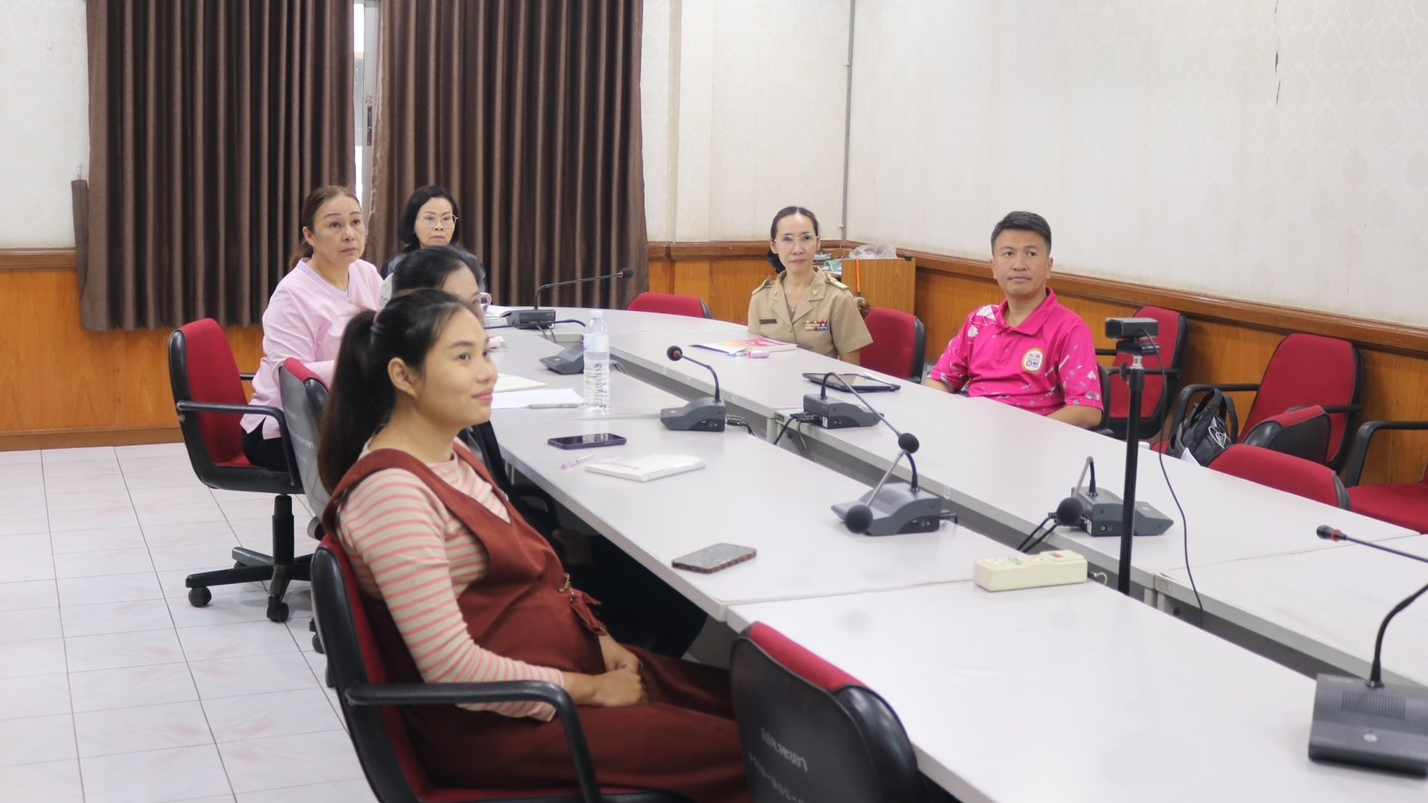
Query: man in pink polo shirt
<point x="1029" y="351"/>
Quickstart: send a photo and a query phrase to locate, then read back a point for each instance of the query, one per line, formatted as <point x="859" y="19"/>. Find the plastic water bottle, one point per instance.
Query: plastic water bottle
<point x="597" y="363"/>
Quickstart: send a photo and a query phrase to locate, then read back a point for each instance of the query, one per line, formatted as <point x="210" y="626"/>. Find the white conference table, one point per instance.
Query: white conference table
<point x="1327" y="604"/>
<point x="1074" y="693"/>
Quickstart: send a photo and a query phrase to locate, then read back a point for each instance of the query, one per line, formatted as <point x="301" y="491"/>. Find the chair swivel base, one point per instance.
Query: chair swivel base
<point x="252" y="567"/>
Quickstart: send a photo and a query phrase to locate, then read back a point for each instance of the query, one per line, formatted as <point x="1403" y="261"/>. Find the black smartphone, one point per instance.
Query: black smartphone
<point x="711" y="559"/>
<point x="586" y="441"/>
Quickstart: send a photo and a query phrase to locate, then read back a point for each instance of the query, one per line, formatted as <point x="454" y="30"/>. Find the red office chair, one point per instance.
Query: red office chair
<point x="371" y="704"/>
<point x="1401" y="503"/>
<point x="1305" y="370"/>
<point x="1288" y="473"/>
<point x="208" y="394"/>
<point x="688" y="306"/>
<point x="1162" y="374"/>
<point x="899" y="346"/>
<point x="812" y="732"/>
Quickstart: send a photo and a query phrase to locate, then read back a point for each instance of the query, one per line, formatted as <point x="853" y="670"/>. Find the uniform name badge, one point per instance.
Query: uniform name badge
<point x="1031" y="361"/>
<point x="815" y="326"/>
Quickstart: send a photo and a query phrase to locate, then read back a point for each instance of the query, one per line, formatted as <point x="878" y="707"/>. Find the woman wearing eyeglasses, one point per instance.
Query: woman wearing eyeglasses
<point x="429" y="219"/>
<point x="802" y="304"/>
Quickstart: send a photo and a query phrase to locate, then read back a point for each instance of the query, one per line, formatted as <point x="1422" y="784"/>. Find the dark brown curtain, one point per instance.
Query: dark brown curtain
<point x="529" y="112"/>
<point x="209" y="123"/>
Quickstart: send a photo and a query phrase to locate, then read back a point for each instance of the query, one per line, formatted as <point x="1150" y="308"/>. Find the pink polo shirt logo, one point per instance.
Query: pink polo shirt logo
<point x="1031" y="361"/>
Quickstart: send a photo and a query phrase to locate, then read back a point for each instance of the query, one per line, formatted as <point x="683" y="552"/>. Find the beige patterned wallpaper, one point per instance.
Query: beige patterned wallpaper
<point x="44" y="129"/>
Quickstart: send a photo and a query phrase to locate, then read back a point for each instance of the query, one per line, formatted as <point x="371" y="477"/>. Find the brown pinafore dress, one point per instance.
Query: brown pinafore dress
<point x="683" y="740"/>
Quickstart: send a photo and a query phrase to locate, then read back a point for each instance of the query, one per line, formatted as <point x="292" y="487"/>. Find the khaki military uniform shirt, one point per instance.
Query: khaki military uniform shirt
<point x="826" y="321"/>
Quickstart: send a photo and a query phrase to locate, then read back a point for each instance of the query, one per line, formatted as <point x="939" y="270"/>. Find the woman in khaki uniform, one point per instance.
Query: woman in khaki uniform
<point x="802" y="304"/>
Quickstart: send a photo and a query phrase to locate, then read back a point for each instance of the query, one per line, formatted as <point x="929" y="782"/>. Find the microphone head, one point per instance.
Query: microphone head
<point x="1070" y="512"/>
<point x="858" y="519"/>
<point x="675" y="353"/>
<point x="908" y="442"/>
<point x="626" y="273"/>
<point x="1327" y="533"/>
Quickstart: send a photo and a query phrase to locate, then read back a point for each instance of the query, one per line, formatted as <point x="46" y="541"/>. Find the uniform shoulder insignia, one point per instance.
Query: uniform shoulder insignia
<point x="835" y="282"/>
<point x="769" y="282"/>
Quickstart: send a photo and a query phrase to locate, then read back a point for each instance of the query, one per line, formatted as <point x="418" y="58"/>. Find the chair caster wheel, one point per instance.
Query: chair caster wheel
<point x="277" y="612"/>
<point x="199" y="597"/>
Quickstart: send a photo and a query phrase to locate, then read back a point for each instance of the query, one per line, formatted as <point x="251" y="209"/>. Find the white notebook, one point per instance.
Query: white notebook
<point x="643" y="468"/>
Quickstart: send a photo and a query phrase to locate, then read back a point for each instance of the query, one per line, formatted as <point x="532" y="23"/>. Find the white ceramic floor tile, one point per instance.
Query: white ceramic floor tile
<point x="351" y="791"/>
<point x="290" y="761"/>
<point x="156" y="776"/>
<point x="25" y="504"/>
<point x="97" y="540"/>
<point x="28" y="595"/>
<point x="30" y="458"/>
<point x="70" y="499"/>
<point x="145" y="727"/>
<point x="177" y="477"/>
<point x="93" y="475"/>
<point x="146" y="498"/>
<point x="98" y="518"/>
<point x="52" y="782"/>
<point x="28" y="625"/>
<point x="37" y="739"/>
<point x="38" y="522"/>
<point x="235" y="640"/>
<point x="186" y="513"/>
<point x="131" y="686"/>
<point x="116" y="617"/>
<point x="189" y="533"/>
<point x="257" y="533"/>
<point x="261" y="716"/>
<point x="102" y="563"/>
<point x="111" y="588"/>
<point x="28" y="658"/>
<point x="255" y="674"/>
<point x="36" y="696"/>
<point x="253" y="506"/>
<point x="169" y="451"/>
<point x="231" y="604"/>
<point x="29" y="544"/>
<point x="192" y="557"/>
<point x="78" y="454"/>
<point x="145" y="648"/>
<point x="22" y="568"/>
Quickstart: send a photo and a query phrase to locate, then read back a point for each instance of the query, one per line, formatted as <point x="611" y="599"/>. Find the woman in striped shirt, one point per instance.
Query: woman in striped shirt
<point x="473" y="594"/>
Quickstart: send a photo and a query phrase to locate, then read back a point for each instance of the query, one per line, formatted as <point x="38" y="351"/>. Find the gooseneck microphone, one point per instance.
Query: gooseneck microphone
<point x="536" y="317"/>
<point x="704" y="414"/>
<point x="1366" y="722"/>
<point x="891" y="509"/>
<point x="837" y="414"/>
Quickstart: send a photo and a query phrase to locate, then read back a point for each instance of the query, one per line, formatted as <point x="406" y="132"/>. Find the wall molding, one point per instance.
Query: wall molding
<point x="37" y="259"/>
<point x="71" y="438"/>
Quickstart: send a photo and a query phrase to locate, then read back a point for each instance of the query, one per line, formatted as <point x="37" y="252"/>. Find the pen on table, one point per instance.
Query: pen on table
<point x="552" y="405"/>
<point x="573" y="463"/>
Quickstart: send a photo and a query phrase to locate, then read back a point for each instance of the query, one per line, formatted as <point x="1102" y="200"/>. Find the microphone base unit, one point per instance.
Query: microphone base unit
<point x="1105" y="515"/>
<point x="531" y="318"/>
<point x="832" y="414"/>
<point x="1382" y="728"/>
<point x="700" y="415"/>
<point x="569" y="361"/>
<point x="897" y="509"/>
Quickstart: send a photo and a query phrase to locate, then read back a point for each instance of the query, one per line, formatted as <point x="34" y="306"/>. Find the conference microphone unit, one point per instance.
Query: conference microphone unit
<point x="535" y="317"/>
<point x="835" y="414"/>
<point x="1103" y="511"/>
<point x="894" y="508"/>
<point x="1368" y="723"/>
<point x="704" y="414"/>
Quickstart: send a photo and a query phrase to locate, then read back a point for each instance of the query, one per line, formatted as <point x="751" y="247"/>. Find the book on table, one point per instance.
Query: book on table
<point x="746" y="345"/>
<point x="643" y="468"/>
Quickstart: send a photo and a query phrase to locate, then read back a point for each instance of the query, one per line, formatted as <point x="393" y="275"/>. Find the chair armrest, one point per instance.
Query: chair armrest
<point x="532" y="691"/>
<point x="1347" y="408"/>
<point x="1358" y="451"/>
<point x="1182" y="403"/>
<point x="245" y="409"/>
<point x="246" y="377"/>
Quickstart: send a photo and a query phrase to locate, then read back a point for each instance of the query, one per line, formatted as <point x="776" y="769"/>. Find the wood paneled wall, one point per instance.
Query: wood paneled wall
<point x="63" y="386"/>
<point x="1229" y="341"/>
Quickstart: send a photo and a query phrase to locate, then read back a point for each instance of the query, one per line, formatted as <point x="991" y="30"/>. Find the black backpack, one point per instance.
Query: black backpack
<point x="1210" y="428"/>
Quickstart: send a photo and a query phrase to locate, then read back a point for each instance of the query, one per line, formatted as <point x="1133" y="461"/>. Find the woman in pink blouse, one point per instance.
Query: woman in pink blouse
<point x="473" y="594"/>
<point x="328" y="284"/>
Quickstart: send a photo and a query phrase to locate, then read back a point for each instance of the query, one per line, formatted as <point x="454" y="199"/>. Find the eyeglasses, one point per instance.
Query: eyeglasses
<point x="805" y="240"/>
<point x="445" y="221"/>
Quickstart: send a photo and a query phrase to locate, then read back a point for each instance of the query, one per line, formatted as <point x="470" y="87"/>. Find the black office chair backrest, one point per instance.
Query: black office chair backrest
<point x="304" y="395"/>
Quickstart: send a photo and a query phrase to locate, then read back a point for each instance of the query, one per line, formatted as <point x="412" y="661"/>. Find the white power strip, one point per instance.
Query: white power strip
<point x="1055" y="568"/>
